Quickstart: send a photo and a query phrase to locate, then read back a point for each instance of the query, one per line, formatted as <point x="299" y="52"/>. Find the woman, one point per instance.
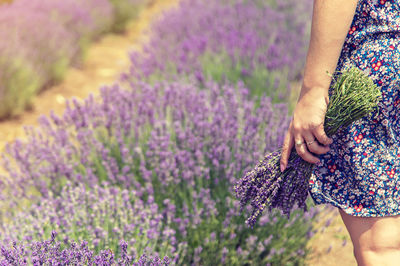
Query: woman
<point x="357" y="169"/>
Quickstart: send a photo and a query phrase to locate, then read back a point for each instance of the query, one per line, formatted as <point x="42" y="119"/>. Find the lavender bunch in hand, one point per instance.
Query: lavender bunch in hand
<point x="354" y="96"/>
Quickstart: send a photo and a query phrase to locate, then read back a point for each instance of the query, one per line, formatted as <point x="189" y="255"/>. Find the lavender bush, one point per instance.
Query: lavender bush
<point x="39" y="48"/>
<point x="102" y="216"/>
<point x="45" y="37"/>
<point x="35" y="53"/>
<point x="262" y="43"/>
<point x="84" y="19"/>
<point x="183" y="146"/>
<point x="49" y="252"/>
<point x="125" y="10"/>
<point x="102" y="14"/>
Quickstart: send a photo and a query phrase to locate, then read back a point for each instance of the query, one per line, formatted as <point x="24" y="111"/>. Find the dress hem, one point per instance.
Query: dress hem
<point x="348" y="209"/>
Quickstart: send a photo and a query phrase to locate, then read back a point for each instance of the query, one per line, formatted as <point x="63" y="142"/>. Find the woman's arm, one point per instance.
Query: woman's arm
<point x="330" y="24"/>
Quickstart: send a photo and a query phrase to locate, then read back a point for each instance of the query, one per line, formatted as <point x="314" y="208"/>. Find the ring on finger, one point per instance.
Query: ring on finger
<point x="309" y="142"/>
<point x="299" y="142"/>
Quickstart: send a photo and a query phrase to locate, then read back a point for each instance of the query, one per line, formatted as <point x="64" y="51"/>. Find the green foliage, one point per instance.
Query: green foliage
<point x="353" y="95"/>
<point x="59" y="68"/>
<point x="84" y="44"/>
<point x="20" y="82"/>
<point x="260" y="81"/>
<point x="124" y="11"/>
<point x="221" y="69"/>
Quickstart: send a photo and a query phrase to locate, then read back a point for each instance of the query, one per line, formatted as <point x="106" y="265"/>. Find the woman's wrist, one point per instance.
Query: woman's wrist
<point x="316" y="80"/>
<point x="314" y="90"/>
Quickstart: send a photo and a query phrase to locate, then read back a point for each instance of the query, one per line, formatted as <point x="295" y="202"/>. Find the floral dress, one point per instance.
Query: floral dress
<point x="361" y="172"/>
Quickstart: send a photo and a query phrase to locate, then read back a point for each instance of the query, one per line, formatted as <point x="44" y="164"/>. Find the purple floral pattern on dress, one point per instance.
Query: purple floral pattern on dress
<point x="361" y="172"/>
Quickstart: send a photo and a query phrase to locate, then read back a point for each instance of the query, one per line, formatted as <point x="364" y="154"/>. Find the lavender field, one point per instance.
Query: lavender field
<point x="144" y="174"/>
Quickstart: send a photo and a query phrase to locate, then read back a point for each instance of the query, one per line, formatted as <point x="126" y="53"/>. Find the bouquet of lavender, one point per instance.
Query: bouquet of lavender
<point x="354" y="95"/>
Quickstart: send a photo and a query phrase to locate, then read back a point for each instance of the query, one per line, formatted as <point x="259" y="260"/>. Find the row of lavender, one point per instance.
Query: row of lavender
<point x="41" y="38"/>
<point x="152" y="163"/>
<point x="260" y="42"/>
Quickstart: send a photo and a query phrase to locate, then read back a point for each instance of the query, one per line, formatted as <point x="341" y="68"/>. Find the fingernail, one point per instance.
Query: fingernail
<point x="282" y="167"/>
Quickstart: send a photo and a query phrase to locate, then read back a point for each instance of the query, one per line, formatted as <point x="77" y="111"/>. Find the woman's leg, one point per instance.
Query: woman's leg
<point x="376" y="240"/>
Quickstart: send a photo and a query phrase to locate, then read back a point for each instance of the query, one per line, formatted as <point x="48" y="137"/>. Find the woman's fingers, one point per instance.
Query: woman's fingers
<point x="302" y="149"/>
<point x="286" y="149"/>
<point x="320" y="134"/>
<point x="314" y="147"/>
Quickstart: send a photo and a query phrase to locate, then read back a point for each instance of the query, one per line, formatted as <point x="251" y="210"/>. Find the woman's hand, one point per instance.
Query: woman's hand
<point x="326" y="41"/>
<point x="307" y="125"/>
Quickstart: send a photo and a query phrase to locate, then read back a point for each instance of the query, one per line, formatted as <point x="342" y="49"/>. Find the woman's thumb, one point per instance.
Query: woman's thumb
<point x="327" y="100"/>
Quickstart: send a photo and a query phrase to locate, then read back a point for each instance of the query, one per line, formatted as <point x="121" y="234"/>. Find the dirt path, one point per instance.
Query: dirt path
<point x="105" y="60"/>
<point x="331" y="246"/>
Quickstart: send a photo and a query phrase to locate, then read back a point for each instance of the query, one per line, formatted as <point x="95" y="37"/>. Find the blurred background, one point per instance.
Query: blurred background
<point x="124" y="125"/>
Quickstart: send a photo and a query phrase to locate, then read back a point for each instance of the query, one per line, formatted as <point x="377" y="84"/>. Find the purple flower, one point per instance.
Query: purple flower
<point x="77" y="206"/>
<point x="49" y="252"/>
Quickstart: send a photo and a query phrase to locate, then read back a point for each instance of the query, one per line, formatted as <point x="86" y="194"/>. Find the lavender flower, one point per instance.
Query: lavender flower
<point x="354" y="96"/>
<point x="102" y="217"/>
<point x="51" y="252"/>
